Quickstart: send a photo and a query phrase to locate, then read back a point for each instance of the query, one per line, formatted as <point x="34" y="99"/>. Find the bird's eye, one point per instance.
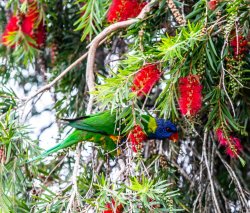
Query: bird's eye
<point x="168" y="129"/>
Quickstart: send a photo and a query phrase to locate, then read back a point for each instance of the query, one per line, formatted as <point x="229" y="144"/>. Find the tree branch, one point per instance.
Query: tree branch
<point x="75" y="192"/>
<point x="208" y="171"/>
<point x="235" y="179"/>
<point x="59" y="77"/>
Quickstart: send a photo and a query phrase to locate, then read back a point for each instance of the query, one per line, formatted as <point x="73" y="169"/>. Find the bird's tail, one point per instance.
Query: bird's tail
<point x="73" y="138"/>
<point x="46" y="153"/>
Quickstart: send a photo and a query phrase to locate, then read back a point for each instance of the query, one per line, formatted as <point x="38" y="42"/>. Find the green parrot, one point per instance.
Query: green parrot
<point x="102" y="129"/>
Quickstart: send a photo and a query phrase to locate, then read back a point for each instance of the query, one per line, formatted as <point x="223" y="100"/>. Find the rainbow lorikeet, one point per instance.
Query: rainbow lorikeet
<point x="102" y="129"/>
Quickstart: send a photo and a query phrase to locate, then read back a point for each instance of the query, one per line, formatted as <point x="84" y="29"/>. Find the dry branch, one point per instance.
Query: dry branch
<point x="235" y="180"/>
<point x="59" y="77"/>
<point x="209" y="172"/>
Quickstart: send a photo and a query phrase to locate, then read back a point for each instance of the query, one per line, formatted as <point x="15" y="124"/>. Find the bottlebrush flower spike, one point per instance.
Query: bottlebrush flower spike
<point x="190" y="100"/>
<point x="234" y="147"/>
<point x="137" y="136"/>
<point x="121" y="10"/>
<point x="2" y="155"/>
<point x="220" y="135"/>
<point x="29" y="24"/>
<point x="212" y="5"/>
<point x="145" y="79"/>
<point x="232" y="144"/>
<point x="33" y="26"/>
<point x="239" y="45"/>
<point x="10" y="28"/>
<point x="111" y="206"/>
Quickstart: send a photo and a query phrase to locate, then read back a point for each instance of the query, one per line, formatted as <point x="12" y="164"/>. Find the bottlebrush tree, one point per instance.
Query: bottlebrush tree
<point x="184" y="61"/>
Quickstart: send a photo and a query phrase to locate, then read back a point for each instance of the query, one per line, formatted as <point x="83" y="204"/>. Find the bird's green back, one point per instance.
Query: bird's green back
<point x="103" y="123"/>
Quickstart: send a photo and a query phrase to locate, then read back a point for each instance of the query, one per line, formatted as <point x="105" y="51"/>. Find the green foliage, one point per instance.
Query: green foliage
<point x="177" y="47"/>
<point x="167" y="99"/>
<point x="15" y="146"/>
<point x="24" y="52"/>
<point x="141" y="193"/>
<point x="7" y="100"/>
<point x="111" y="92"/>
<point x="92" y="14"/>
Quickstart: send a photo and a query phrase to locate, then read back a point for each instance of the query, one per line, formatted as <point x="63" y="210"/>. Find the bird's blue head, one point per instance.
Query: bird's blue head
<point x="165" y="129"/>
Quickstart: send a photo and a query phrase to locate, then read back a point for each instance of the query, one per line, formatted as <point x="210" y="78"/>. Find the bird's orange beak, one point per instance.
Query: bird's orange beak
<point x="174" y="137"/>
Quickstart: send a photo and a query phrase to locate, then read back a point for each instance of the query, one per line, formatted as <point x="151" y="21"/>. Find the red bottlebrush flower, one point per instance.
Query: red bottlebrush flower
<point x="190" y="100"/>
<point x="237" y="143"/>
<point x="212" y="5"/>
<point x="33" y="13"/>
<point x="145" y="79"/>
<point x="238" y="41"/>
<point x="230" y="152"/>
<point x="239" y="45"/>
<point x="2" y="155"/>
<point x="32" y="26"/>
<point x="111" y="206"/>
<point x="234" y="147"/>
<point x="220" y="135"/>
<point x="137" y="136"/>
<point x="29" y="24"/>
<point x="232" y="144"/>
<point x="121" y="10"/>
<point x="10" y="28"/>
<point x="40" y="35"/>
<point x="12" y="24"/>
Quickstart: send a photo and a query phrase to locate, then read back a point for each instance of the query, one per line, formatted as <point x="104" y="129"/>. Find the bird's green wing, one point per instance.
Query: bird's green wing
<point x="104" y="123"/>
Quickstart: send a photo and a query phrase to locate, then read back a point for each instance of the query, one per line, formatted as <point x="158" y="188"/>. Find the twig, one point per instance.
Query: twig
<point x="94" y="176"/>
<point x="59" y="77"/>
<point x="57" y="165"/>
<point x="74" y="179"/>
<point x="182" y="172"/>
<point x="145" y="168"/>
<point x="78" y="155"/>
<point x="222" y="78"/>
<point x="234" y="178"/>
<point x="146" y="149"/>
<point x="234" y="78"/>
<point x="208" y="171"/>
<point x="199" y="196"/>
<point x="122" y="169"/>
<point x="98" y="168"/>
